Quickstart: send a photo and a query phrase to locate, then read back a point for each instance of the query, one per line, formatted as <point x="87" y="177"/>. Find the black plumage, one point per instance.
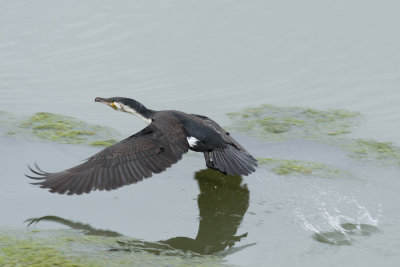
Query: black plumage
<point x="162" y="143"/>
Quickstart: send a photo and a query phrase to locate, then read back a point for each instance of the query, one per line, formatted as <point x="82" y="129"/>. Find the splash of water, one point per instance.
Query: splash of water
<point x="335" y="224"/>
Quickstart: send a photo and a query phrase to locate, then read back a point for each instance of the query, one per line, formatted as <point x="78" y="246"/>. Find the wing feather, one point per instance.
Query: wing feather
<point x="233" y="159"/>
<point x="129" y="161"/>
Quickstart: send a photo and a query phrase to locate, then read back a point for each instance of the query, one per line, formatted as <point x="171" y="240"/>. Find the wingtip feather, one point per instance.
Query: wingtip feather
<point x="233" y="161"/>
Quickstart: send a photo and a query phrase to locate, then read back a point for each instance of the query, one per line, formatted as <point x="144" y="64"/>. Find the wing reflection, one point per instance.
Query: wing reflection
<point x="222" y="202"/>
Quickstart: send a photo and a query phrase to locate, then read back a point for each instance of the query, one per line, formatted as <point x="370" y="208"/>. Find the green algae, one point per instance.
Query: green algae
<point x="57" y="128"/>
<point x="282" y="123"/>
<point x="17" y="251"/>
<point x="108" y="142"/>
<point x="65" y="129"/>
<point x="384" y="152"/>
<point x="32" y="254"/>
<point x="302" y="167"/>
<point x="331" y="127"/>
<point x="72" y="248"/>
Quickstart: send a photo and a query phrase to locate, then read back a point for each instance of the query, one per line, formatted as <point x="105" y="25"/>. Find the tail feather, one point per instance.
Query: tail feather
<point x="233" y="161"/>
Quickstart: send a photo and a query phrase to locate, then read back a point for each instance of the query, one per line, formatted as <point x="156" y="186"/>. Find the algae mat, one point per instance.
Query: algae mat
<point x="72" y="248"/>
<point x="282" y="123"/>
<point x="301" y="167"/>
<point x="57" y="128"/>
<point x="331" y="127"/>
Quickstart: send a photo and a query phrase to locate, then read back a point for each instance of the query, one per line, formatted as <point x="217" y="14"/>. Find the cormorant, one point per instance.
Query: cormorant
<point x="169" y="134"/>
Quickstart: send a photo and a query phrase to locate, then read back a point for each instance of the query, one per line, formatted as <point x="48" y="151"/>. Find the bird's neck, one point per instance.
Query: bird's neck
<point x="145" y="114"/>
<point x="140" y="111"/>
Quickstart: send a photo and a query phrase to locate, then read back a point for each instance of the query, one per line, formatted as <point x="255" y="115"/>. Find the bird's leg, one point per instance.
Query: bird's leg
<point x="209" y="163"/>
<point x="207" y="158"/>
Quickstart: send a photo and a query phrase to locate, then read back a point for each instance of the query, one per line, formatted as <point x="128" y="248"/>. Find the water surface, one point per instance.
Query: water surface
<point x="212" y="58"/>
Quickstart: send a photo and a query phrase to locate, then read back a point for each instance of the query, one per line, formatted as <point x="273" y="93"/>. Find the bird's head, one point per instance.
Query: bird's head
<point x="127" y="105"/>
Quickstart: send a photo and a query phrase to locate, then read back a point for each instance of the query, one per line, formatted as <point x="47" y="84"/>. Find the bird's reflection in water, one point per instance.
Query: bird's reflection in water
<point x="222" y="202"/>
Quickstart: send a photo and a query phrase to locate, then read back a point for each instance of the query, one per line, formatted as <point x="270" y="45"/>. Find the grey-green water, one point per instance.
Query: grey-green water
<point x="336" y="204"/>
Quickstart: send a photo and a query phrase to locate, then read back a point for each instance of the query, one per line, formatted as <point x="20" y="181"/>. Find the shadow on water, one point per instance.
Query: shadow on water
<point x="222" y="202"/>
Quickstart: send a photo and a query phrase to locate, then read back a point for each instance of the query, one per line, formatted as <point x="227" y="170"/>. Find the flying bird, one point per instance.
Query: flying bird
<point x="167" y="137"/>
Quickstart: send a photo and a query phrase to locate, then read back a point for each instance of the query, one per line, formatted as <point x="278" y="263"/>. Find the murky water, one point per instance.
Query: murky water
<point x="212" y="58"/>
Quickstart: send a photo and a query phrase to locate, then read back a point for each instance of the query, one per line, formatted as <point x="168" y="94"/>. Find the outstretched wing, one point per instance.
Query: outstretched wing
<point x="129" y="161"/>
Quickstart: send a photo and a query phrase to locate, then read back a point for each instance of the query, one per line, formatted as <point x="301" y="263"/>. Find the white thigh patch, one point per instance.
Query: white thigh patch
<point x="192" y="141"/>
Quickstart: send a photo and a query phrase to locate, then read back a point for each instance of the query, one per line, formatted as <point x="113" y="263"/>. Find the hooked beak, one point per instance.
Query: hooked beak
<point x="101" y="100"/>
<point x="106" y="101"/>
